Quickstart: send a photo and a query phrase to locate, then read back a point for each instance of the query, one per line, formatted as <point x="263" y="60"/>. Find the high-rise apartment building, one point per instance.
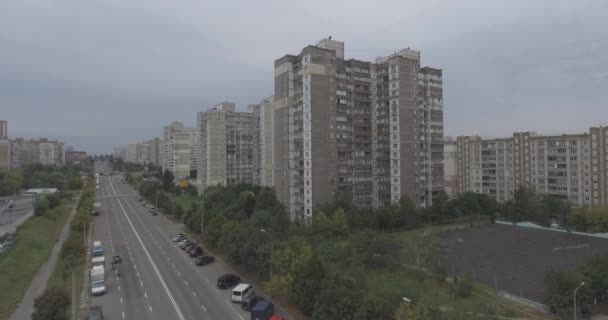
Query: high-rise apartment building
<point x="570" y="167"/>
<point x="3" y="129"/>
<point x="177" y="149"/>
<point x="370" y="130"/>
<point x="154" y="151"/>
<point x="450" y="166"/>
<point x="227" y="144"/>
<point x="266" y="129"/>
<point x="5" y="147"/>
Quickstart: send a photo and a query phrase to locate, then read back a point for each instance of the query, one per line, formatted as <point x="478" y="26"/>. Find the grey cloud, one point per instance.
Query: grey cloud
<point x="103" y="73"/>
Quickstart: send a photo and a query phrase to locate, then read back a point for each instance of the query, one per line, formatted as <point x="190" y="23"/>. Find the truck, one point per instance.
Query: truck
<point x="262" y="310"/>
<point x="97" y="249"/>
<point x="98" y="280"/>
<point x="98" y="261"/>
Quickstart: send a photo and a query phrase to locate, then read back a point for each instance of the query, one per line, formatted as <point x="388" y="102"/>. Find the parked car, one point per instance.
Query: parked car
<point x="228" y="280"/>
<point x="178" y="237"/>
<point x="195" y="252"/>
<point x="276" y="318"/>
<point x="189" y="247"/>
<point x="94" y="212"/>
<point x="96" y="313"/>
<point x="153" y="212"/>
<point x="262" y="310"/>
<point x="184" y="243"/>
<point x="249" y="301"/>
<point x="204" y="260"/>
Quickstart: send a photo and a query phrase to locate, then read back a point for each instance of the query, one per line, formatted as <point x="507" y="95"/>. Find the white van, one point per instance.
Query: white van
<point x="240" y="291"/>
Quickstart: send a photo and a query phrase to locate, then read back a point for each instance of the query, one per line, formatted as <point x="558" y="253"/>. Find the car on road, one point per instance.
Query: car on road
<point x="204" y="260"/>
<point x="97" y="187"/>
<point x="195" y="252"/>
<point x="228" y="280"/>
<point x="249" y="301"/>
<point x="178" y="237"/>
<point x="241" y="291"/>
<point x="94" y="212"/>
<point x="153" y="212"/>
<point x="96" y="313"/>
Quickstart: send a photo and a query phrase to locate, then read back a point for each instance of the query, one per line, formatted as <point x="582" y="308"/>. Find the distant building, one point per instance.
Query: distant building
<point x="45" y="151"/>
<point x="570" y="166"/>
<point x="177" y="147"/>
<point x="266" y="129"/>
<point x="227" y="144"/>
<point x="450" y="166"/>
<point x="72" y="157"/>
<point x="3" y="129"/>
<point x="5" y="147"/>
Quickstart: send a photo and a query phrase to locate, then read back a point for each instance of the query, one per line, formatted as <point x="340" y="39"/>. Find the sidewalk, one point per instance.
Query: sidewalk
<point x="38" y="285"/>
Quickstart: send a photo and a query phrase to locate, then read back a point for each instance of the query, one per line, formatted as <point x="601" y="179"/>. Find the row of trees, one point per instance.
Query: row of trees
<point x="54" y="302"/>
<point x="37" y="175"/>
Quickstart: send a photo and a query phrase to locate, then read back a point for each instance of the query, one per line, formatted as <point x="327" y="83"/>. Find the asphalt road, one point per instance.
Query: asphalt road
<point x="157" y="279"/>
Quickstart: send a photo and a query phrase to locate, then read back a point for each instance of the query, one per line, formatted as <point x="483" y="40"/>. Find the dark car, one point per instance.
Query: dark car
<point x="196" y="251"/>
<point x="187" y="246"/>
<point x="153" y="212"/>
<point x="249" y="301"/>
<point x="204" y="260"/>
<point x="262" y="310"/>
<point x="228" y="280"/>
<point x="96" y="313"/>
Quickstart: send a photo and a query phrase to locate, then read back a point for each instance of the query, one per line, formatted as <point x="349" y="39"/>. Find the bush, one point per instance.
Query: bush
<point x="52" y="304"/>
<point x="41" y="206"/>
<point x="54" y="201"/>
<point x="462" y="287"/>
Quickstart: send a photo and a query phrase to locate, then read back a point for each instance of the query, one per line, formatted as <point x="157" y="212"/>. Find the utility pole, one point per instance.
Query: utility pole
<point x="73" y="297"/>
<point x="575" y="290"/>
<point x="202" y="220"/>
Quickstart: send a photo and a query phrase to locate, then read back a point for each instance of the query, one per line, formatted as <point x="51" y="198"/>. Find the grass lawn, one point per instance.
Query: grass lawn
<point x="34" y="241"/>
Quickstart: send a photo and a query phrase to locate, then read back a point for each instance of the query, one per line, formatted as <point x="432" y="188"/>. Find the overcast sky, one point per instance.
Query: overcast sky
<point x="100" y="73"/>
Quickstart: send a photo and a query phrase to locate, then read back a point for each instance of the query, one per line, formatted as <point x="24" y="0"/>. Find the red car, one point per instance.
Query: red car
<point x="189" y="246"/>
<point x="275" y="318"/>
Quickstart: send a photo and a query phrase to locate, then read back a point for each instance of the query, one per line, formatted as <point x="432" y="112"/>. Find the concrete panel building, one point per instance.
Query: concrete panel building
<point x="569" y="166"/>
<point x="177" y="149"/>
<point x="266" y="142"/>
<point x="370" y="130"/>
<point x="45" y="151"/>
<point x="227" y="146"/>
<point x="5" y="147"/>
<point x="450" y="166"/>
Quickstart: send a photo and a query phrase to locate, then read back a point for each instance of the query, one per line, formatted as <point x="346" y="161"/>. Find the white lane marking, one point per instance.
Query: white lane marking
<point x="123" y="314"/>
<point x="118" y="288"/>
<point x="173" y="264"/>
<point x="233" y="309"/>
<point x="206" y="279"/>
<point x="120" y="300"/>
<point x="186" y="282"/>
<point x="135" y="266"/>
<point x="141" y="283"/>
<point x="150" y="307"/>
<point x="194" y="293"/>
<point x="179" y="273"/>
<point x="146" y="294"/>
<point x="203" y="306"/>
<point x="218" y="292"/>
<point x="160" y="277"/>
<point x="138" y="274"/>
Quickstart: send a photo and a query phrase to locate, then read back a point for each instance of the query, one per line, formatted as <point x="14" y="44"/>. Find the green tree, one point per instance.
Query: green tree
<point x="339" y="298"/>
<point x="285" y="260"/>
<point x="13" y="181"/>
<point x="54" y="200"/>
<point x="307" y="284"/>
<point x="411" y="311"/>
<point x="595" y="271"/>
<point x="41" y="206"/>
<point x="559" y="289"/>
<point x="52" y="304"/>
<point x="247" y="202"/>
<point x="167" y="180"/>
<point x="409" y="215"/>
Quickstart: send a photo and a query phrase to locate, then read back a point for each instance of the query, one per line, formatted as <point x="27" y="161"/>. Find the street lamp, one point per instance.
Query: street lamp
<point x="575" y="290"/>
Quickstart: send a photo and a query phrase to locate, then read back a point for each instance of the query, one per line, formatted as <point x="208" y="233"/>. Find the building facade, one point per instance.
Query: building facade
<point x="570" y="166"/>
<point x="228" y="143"/>
<point x="45" y="151"/>
<point x="3" y="129"/>
<point x="450" y="166"/>
<point x="266" y="129"/>
<point x="177" y="149"/>
<point x="373" y="130"/>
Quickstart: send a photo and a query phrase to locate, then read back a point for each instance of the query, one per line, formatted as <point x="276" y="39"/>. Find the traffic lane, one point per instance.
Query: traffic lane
<point x="204" y="277"/>
<point x="111" y="299"/>
<point x="135" y="301"/>
<point x="143" y="291"/>
<point x="166" y="228"/>
<point x="202" y="286"/>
